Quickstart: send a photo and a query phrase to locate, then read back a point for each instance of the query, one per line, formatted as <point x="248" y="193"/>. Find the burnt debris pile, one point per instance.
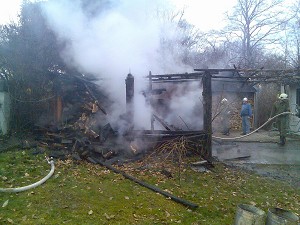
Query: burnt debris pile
<point x="81" y="130"/>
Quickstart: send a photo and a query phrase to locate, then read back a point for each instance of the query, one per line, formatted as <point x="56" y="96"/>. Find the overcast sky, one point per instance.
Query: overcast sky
<point x="9" y="10"/>
<point x="204" y="14"/>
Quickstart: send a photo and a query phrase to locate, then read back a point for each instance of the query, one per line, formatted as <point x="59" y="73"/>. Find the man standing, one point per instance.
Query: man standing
<point x="282" y="121"/>
<point x="246" y="113"/>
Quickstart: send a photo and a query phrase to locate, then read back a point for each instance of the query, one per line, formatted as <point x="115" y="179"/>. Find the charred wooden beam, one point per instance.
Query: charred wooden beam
<point x="58" y="109"/>
<point x="238" y="158"/>
<point x="67" y="141"/>
<point x="144" y="184"/>
<point x="207" y="115"/>
<point x="161" y="122"/>
<point x="156" y="137"/>
<point x="215" y="71"/>
<point x="139" y="133"/>
<point x="248" y="70"/>
<point x="150" y="89"/>
<point x="181" y="80"/>
<point x="91" y="133"/>
<point x="75" y="146"/>
<point x="185" y="77"/>
<point x="129" y="97"/>
<point x="109" y="154"/>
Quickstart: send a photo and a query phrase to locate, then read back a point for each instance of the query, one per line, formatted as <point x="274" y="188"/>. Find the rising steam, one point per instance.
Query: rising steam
<point x="114" y="39"/>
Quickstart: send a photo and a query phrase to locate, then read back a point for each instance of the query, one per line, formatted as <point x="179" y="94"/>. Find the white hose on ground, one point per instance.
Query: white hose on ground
<point x="269" y="120"/>
<point x="25" y="188"/>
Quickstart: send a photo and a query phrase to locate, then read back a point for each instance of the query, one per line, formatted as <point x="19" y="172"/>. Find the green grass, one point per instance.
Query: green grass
<point x="83" y="193"/>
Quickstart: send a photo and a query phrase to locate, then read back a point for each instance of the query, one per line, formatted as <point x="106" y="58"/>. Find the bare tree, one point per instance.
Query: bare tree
<point x="255" y="23"/>
<point x="178" y="38"/>
<point x="291" y="41"/>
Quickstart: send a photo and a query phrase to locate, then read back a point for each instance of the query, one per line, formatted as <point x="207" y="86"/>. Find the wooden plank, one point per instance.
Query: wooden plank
<point x="207" y="115"/>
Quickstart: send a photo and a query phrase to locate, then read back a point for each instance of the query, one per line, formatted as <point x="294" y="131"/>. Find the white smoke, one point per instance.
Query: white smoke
<point x="186" y="103"/>
<point x="125" y="37"/>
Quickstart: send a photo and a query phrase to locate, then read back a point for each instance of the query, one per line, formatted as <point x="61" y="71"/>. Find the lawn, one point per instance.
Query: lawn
<point x="86" y="193"/>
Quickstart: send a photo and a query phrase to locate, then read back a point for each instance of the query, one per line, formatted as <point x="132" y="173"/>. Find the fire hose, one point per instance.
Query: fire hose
<point x="269" y="120"/>
<point x="25" y="188"/>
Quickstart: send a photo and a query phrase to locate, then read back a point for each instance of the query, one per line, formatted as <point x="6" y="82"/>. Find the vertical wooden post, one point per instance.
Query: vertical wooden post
<point x="150" y="97"/>
<point x="58" y="109"/>
<point x="207" y="115"/>
<point x="129" y="97"/>
<point x="255" y="120"/>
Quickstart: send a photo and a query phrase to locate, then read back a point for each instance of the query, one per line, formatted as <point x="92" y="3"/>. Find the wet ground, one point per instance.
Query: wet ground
<point x="261" y="154"/>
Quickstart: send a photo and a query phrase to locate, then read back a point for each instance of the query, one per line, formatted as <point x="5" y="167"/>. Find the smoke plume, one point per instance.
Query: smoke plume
<point x="116" y="38"/>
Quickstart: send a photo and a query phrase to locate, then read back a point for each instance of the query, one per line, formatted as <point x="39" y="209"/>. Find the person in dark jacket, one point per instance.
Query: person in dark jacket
<point x="282" y="122"/>
<point x="246" y="114"/>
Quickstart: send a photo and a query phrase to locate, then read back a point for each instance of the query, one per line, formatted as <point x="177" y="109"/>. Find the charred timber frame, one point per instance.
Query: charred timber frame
<point x="255" y="76"/>
<point x="206" y="77"/>
<point x="251" y="76"/>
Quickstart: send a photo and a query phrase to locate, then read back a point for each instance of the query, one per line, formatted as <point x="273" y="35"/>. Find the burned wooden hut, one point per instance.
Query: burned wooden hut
<point x="88" y="133"/>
